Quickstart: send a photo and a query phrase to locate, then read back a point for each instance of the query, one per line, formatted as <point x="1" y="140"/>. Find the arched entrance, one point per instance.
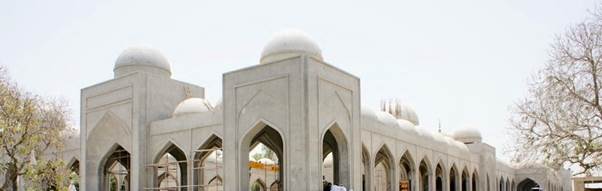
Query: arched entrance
<point x="453" y="178"/>
<point x="74" y="175"/>
<point x="116" y="170"/>
<point x="439" y="178"/>
<point x="264" y="144"/>
<point x="208" y="165"/>
<point x="465" y="180"/>
<point x="475" y="181"/>
<point x="383" y="170"/>
<point x="424" y="178"/>
<point x="170" y="169"/>
<point x="366" y="177"/>
<point x="528" y="185"/>
<point x="335" y="166"/>
<point x="407" y="171"/>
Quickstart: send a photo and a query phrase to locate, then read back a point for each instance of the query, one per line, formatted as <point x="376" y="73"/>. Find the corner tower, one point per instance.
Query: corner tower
<point x="300" y="107"/>
<point x="116" y="115"/>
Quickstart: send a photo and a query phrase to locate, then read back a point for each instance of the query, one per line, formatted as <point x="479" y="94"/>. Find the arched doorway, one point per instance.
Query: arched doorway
<point x="383" y="170"/>
<point x="170" y="169"/>
<point x="407" y="171"/>
<point x="335" y="160"/>
<point x="528" y="185"/>
<point x="453" y="178"/>
<point x="208" y="164"/>
<point x="439" y="174"/>
<point x="74" y="175"/>
<point x="424" y="178"/>
<point x="501" y="182"/>
<point x="475" y="181"/>
<point x="366" y="177"/>
<point x="116" y="170"/>
<point x="465" y="180"/>
<point x="265" y="146"/>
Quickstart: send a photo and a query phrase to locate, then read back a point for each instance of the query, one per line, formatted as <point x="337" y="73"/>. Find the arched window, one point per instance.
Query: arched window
<point x="74" y="175"/>
<point x="465" y="180"/>
<point x="475" y="181"/>
<point x="439" y="178"/>
<point x="425" y="172"/>
<point x="215" y="184"/>
<point x="383" y="171"/>
<point x="527" y="185"/>
<point x="365" y="169"/>
<point x="263" y="148"/>
<point x="453" y="178"/>
<point x="407" y="171"/>
<point x="501" y="182"/>
<point x="208" y="164"/>
<point x="116" y="170"/>
<point x="170" y="169"/>
<point x="335" y="157"/>
<point x="258" y="185"/>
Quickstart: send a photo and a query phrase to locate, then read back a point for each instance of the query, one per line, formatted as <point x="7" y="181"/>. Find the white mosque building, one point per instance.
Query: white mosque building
<point x="291" y="122"/>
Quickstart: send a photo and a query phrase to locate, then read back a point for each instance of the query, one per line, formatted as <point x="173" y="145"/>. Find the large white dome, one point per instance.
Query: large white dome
<point x="401" y="111"/>
<point x="289" y="43"/>
<point x="192" y="105"/>
<point x="467" y="135"/>
<point x="141" y="58"/>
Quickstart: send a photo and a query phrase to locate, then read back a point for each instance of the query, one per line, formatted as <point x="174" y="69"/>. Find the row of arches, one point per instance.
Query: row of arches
<point x="412" y="178"/>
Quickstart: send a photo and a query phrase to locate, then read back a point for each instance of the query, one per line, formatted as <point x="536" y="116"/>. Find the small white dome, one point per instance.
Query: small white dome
<point x="141" y="56"/>
<point x="467" y="135"/>
<point x="192" y="105"/>
<point x="266" y="161"/>
<point x="287" y="44"/>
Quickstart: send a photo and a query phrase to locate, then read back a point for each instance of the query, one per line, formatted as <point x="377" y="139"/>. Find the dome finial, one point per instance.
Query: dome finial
<point x="289" y="43"/>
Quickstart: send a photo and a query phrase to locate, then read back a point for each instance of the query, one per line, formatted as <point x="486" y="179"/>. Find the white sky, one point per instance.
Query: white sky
<point x="461" y="61"/>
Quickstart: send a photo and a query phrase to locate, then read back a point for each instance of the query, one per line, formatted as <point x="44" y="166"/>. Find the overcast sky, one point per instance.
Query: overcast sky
<point x="463" y="62"/>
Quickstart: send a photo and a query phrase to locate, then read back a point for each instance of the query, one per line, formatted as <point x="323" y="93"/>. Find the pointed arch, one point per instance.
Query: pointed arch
<point x="439" y="176"/>
<point x="501" y="184"/>
<point x="271" y="137"/>
<point x="454" y="178"/>
<point x="383" y="169"/>
<point x="274" y="186"/>
<point x="507" y="184"/>
<point x="334" y="141"/>
<point x="366" y="174"/>
<point x="215" y="184"/>
<point x="172" y="162"/>
<point x="115" y="164"/>
<point x="407" y="168"/>
<point x="258" y="185"/>
<point x="527" y="184"/>
<point x="425" y="174"/>
<point x="475" y="181"/>
<point x="208" y="161"/>
<point x="465" y="180"/>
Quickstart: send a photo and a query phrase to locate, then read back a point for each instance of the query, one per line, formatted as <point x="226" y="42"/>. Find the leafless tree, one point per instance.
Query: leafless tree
<point x="560" y="122"/>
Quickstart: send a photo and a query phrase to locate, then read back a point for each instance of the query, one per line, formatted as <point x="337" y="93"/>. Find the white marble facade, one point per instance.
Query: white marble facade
<point x="163" y="133"/>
